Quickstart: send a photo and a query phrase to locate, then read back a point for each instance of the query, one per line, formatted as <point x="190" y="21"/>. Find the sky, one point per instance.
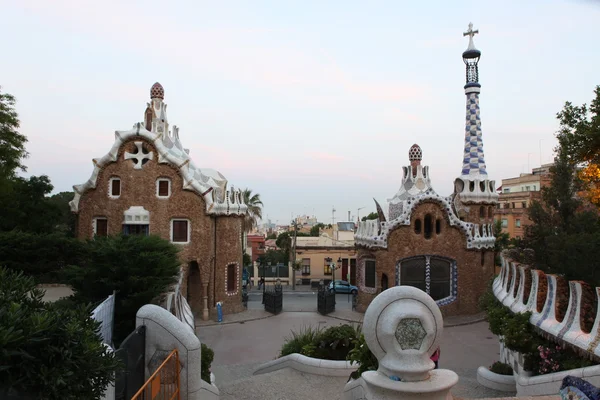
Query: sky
<point x="312" y="104"/>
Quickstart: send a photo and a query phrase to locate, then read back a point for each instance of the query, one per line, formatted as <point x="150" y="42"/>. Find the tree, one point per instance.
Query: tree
<point x="502" y="240"/>
<point x="25" y="206"/>
<point x="316" y="230"/>
<point x="12" y="143"/>
<point x="579" y="135"/>
<point x="139" y="268"/>
<point x="48" y="351"/>
<point x="254" y="211"/>
<point x="284" y="243"/>
<point x="372" y="215"/>
<point x="66" y="223"/>
<point x="272" y="235"/>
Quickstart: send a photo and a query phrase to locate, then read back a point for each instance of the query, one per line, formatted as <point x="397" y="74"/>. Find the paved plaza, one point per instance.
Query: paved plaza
<point x="241" y="347"/>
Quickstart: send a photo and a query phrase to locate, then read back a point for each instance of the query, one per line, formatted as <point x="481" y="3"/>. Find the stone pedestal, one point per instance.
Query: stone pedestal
<point x="402" y="328"/>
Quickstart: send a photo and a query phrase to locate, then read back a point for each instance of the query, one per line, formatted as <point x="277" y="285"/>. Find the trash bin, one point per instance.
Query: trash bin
<point x="219" y="312"/>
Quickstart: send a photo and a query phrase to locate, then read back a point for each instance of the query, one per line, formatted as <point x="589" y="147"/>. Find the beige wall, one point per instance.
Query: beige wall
<point x="317" y="261"/>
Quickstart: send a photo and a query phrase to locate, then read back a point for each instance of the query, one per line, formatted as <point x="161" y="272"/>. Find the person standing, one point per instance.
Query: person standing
<point x="435" y="357"/>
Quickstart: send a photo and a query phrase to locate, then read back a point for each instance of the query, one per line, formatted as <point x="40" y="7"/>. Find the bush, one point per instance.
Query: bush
<point x="334" y="343"/>
<point x="47" y="351"/>
<point x="501" y="368"/>
<point x="139" y="268"/>
<point x="41" y="256"/>
<point x="361" y="354"/>
<point x="207" y="355"/>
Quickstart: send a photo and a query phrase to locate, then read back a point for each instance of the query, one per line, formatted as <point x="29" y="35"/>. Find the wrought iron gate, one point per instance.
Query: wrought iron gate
<point x="325" y="301"/>
<point x="273" y="300"/>
<point x="132" y="354"/>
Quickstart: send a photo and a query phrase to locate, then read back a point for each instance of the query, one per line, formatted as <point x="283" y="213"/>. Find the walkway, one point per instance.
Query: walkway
<point x="241" y="347"/>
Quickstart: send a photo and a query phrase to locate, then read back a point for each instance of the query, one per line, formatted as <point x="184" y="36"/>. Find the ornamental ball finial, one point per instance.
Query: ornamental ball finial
<point x="415" y="153"/>
<point x="157" y="91"/>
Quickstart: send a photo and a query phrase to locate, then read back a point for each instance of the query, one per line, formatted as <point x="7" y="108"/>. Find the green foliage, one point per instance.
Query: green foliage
<point x="333" y="343"/>
<point x="40" y="256"/>
<point x="361" y="355"/>
<point x="66" y="223"/>
<point x="271" y="235"/>
<point x="254" y="211"/>
<point x="139" y="268"/>
<point x="25" y="206"/>
<point x="12" y="143"/>
<point x="315" y="230"/>
<point x="501" y="368"/>
<point x="274" y="257"/>
<point x="48" y="351"/>
<point x="206" y="358"/>
<point x="372" y="215"/>
<point x="246" y="259"/>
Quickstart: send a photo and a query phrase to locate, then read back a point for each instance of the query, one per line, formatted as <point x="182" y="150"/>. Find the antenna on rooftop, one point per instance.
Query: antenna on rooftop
<point x="333" y="215"/>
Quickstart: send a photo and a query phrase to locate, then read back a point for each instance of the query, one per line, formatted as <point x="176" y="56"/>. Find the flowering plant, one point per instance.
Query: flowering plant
<point x="549" y="359"/>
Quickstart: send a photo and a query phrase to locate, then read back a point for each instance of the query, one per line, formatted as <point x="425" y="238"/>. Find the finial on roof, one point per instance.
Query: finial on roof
<point x="157" y="91"/>
<point x="415" y="153"/>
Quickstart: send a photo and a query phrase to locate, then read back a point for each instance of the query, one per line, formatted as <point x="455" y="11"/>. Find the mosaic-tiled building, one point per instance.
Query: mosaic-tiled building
<point x="442" y="245"/>
<point x="148" y="184"/>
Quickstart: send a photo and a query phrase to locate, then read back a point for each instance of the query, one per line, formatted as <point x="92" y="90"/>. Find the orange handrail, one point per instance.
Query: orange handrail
<point x="160" y="385"/>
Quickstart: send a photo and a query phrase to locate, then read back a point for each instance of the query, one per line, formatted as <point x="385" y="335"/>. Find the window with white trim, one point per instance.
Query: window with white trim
<point x="163" y="188"/>
<point x="180" y="231"/>
<point x="114" y="188"/>
<point x="100" y="226"/>
<point x="306" y="266"/>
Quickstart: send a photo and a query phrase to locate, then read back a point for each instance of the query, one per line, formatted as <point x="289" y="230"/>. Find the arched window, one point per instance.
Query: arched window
<point x="438" y="226"/>
<point x="384" y="282"/>
<point x="482" y="212"/>
<point x="431" y="274"/>
<point x="428" y="228"/>
<point x="418" y="226"/>
<point x="490" y="212"/>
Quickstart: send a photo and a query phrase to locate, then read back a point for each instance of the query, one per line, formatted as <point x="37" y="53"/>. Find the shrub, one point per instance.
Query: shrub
<point x="334" y="343"/>
<point x="207" y="355"/>
<point x="139" y="268"/>
<point x="38" y="255"/>
<point x="47" y="351"/>
<point x="501" y="368"/>
<point x="361" y="354"/>
<point x="298" y="341"/>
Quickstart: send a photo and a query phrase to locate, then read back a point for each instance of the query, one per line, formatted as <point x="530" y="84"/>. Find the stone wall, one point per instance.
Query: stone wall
<point x="474" y="267"/>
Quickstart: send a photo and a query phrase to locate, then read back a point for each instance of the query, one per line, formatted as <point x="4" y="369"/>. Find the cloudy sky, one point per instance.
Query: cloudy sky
<point x="312" y="104"/>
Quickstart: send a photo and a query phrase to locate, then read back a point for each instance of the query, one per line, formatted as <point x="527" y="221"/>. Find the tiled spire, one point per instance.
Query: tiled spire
<point x="473" y="159"/>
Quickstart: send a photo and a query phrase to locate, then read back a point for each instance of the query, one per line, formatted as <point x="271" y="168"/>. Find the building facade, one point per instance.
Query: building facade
<point x="255" y="246"/>
<point x="442" y="245"/>
<point x="516" y="195"/>
<point x="317" y="256"/>
<point x="147" y="184"/>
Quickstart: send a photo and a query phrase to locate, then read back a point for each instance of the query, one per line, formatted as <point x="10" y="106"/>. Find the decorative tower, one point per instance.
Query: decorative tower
<point x="155" y="116"/>
<point x="473" y="185"/>
<point x="415" y="181"/>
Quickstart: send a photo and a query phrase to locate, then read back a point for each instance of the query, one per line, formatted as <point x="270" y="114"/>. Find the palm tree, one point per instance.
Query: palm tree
<point x="254" y="212"/>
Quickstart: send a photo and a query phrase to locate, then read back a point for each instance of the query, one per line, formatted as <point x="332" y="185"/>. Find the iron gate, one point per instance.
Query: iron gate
<point x="273" y="300"/>
<point x="132" y="354"/>
<point x="325" y="301"/>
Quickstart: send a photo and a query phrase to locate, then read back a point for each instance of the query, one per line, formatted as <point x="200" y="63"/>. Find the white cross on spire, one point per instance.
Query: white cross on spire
<point x="471" y="33"/>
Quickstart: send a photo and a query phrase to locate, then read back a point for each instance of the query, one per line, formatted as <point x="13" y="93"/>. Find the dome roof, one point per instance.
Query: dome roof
<point x="157" y="91"/>
<point x="415" y="153"/>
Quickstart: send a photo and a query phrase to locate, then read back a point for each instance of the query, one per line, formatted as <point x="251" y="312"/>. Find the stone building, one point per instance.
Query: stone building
<point x="516" y="194"/>
<point x="442" y="245"/>
<point x="147" y="184"/>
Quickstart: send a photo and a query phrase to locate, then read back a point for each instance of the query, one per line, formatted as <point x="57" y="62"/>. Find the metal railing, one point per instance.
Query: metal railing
<point x="164" y="382"/>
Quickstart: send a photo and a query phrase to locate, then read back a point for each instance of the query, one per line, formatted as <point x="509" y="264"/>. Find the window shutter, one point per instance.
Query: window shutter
<point x="180" y="231"/>
<point x="116" y="187"/>
<point x="370" y="273"/>
<point x="163" y="188"/>
<point x="101" y="227"/>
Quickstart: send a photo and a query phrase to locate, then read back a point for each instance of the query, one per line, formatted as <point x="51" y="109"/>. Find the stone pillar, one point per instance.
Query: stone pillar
<point x="205" y="301"/>
<point x="403" y="327"/>
<point x="256" y="272"/>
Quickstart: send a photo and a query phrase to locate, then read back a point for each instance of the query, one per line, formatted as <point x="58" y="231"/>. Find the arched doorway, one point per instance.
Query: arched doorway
<point x="435" y="275"/>
<point x="194" y="291"/>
